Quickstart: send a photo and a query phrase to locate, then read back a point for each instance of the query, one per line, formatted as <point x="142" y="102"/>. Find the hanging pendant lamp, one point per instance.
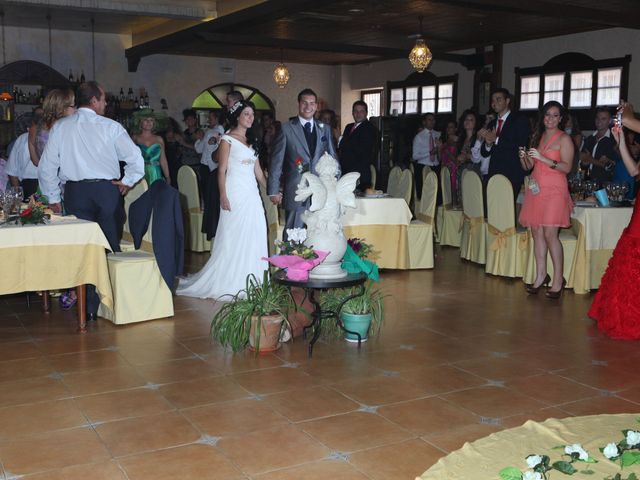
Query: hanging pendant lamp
<point x="420" y="55"/>
<point x="281" y="73"/>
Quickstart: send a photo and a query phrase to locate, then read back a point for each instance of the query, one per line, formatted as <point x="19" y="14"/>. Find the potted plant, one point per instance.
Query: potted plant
<point x="363" y="314"/>
<point x="255" y="316"/>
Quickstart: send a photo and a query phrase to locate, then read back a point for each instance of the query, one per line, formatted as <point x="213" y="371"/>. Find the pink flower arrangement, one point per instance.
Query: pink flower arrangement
<point x="297" y="267"/>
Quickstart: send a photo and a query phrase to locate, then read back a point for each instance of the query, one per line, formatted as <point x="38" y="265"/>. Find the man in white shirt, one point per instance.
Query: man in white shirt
<point x="208" y="147"/>
<point x="84" y="150"/>
<point x="20" y="169"/>
<point x="425" y="150"/>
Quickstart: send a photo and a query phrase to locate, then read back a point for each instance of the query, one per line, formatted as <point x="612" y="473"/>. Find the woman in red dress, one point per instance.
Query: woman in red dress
<point x="615" y="306"/>
<point x="547" y="203"/>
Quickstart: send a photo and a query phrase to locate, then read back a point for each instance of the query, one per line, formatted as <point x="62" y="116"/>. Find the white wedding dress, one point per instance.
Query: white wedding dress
<point x="241" y="237"/>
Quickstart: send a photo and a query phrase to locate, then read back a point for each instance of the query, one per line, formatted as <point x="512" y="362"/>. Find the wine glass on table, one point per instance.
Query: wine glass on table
<point x="18" y="195"/>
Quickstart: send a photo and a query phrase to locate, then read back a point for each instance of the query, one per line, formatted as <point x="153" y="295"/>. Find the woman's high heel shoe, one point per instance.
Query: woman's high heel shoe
<point x="531" y="290"/>
<point x="558" y="294"/>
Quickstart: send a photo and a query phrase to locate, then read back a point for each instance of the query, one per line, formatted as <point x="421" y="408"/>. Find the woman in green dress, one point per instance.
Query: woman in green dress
<point x="151" y="146"/>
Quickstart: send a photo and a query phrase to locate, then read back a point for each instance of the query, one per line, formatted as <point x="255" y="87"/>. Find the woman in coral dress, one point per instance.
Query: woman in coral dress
<point x="547" y="203"/>
<point x="615" y="306"/>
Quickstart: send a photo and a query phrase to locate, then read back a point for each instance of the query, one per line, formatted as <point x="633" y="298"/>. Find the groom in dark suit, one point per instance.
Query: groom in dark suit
<point x="296" y="149"/>
<point x="503" y="137"/>
<point x="357" y="145"/>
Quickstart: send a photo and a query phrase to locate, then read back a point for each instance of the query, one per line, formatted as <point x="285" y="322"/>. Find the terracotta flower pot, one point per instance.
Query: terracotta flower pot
<point x="269" y="333"/>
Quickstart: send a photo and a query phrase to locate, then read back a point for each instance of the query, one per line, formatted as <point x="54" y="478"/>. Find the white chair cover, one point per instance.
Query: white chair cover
<point x="507" y="247"/>
<point x="394" y="182"/>
<point x="473" y="239"/>
<point x="421" y="230"/>
<point x="448" y="222"/>
<point x="196" y="241"/>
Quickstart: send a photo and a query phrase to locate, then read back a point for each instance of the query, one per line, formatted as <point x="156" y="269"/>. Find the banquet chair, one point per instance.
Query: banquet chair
<point x="420" y="232"/>
<point x="402" y="184"/>
<point x="374" y="175"/>
<point x="473" y="227"/>
<point x="394" y="181"/>
<point x="139" y="291"/>
<point x="188" y="187"/>
<point x="507" y="246"/>
<point x="414" y="199"/>
<point x="569" y="242"/>
<point x="126" y="244"/>
<point x="448" y="217"/>
<point x="274" y="227"/>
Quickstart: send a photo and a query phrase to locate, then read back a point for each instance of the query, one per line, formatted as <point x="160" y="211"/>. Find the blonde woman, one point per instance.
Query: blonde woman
<point x="57" y="104"/>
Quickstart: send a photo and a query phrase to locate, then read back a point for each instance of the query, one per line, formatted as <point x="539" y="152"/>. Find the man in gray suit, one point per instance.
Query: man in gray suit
<point x="295" y="150"/>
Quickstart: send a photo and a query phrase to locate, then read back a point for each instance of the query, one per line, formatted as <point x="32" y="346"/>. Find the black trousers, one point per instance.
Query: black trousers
<point x="418" y="167"/>
<point x="96" y="201"/>
<point x="29" y="187"/>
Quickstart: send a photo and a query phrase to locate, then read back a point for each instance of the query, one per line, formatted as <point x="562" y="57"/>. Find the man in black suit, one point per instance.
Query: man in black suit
<point x="357" y="144"/>
<point x="598" y="151"/>
<point x="502" y="139"/>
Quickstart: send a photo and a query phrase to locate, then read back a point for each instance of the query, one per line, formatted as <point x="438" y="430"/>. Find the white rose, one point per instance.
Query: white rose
<point x="576" y="448"/>
<point x="611" y="450"/>
<point x="297" y="235"/>
<point x="533" y="460"/>
<point x="633" y="438"/>
<point x="531" y="476"/>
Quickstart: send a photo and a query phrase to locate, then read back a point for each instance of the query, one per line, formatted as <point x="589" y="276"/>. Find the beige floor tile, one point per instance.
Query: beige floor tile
<point x="52" y="450"/>
<point x="105" y="407"/>
<point x="428" y="415"/>
<point x="308" y="403"/>
<point x="355" y="431"/>
<point x="399" y="461"/>
<point x="272" y="449"/>
<point x="18" y="421"/>
<point x="136" y="435"/>
<point x="94" y="471"/>
<point x="202" y="391"/>
<point x="322" y="470"/>
<point x="197" y="462"/>
<point x="380" y="390"/>
<point x="274" y="380"/>
<point x="177" y="370"/>
<point x="234" y="418"/>
<point x="32" y="390"/>
<point x="103" y="380"/>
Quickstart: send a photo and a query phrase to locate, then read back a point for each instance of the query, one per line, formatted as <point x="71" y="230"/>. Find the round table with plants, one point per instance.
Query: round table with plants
<point x="336" y="293"/>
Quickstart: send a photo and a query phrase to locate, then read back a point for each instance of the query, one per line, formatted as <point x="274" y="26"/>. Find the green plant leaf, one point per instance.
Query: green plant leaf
<point x="632" y="476"/>
<point x="589" y="460"/>
<point x="629" y="458"/>
<point x="564" y="467"/>
<point x="587" y="472"/>
<point x="510" y="473"/>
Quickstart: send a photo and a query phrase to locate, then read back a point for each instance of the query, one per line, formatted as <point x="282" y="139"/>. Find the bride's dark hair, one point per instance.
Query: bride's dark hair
<point x="234" y="114"/>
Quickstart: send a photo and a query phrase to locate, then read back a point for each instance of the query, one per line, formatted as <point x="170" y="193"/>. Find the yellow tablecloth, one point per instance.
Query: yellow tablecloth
<point x="484" y="458"/>
<point x="598" y="231"/>
<point x="63" y="254"/>
<point x="382" y="222"/>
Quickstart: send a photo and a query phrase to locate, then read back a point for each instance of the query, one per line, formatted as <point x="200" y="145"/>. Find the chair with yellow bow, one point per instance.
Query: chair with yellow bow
<point x="274" y="228"/>
<point x="400" y="184"/>
<point x="374" y="176"/>
<point x="569" y="242"/>
<point x="448" y="217"/>
<point x="196" y="241"/>
<point x="421" y="230"/>
<point x="507" y="247"/>
<point x="473" y="227"/>
<point x="139" y="291"/>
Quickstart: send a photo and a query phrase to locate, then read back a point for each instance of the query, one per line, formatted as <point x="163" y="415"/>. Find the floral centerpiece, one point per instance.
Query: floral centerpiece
<point x="541" y="467"/>
<point x="33" y="215"/>
<point x="295" y="257"/>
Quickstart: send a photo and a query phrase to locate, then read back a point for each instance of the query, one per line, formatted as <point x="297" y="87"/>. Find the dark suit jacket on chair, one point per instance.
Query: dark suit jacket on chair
<point x="504" y="154"/>
<point x="167" y="230"/>
<point x="356" y="151"/>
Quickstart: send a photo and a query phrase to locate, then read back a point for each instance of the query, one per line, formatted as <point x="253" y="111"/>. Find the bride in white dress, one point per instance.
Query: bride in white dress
<point x="241" y="237"/>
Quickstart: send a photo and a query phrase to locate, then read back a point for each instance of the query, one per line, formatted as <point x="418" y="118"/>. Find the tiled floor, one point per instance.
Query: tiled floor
<point x="461" y="355"/>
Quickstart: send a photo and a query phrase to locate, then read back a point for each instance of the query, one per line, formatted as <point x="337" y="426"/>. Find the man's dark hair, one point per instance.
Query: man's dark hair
<point x="360" y="103"/>
<point x="428" y="114"/>
<point x="235" y="95"/>
<point x="603" y="110"/>
<point x="86" y="91"/>
<point x="503" y="91"/>
<point x="189" y="112"/>
<point x="307" y="91"/>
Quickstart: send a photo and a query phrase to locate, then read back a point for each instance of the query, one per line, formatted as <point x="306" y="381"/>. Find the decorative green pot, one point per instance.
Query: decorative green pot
<point x="356" y="323"/>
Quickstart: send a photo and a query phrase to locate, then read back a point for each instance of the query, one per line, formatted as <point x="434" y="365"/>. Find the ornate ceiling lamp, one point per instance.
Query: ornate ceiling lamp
<point x="281" y="73"/>
<point x="420" y="55"/>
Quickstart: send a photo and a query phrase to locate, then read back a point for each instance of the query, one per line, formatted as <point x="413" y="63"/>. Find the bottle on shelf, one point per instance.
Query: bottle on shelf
<point x="130" y="94"/>
<point x="71" y="76"/>
<point x="81" y="76"/>
<point x="146" y="99"/>
<point x="121" y="94"/>
<point x="136" y="104"/>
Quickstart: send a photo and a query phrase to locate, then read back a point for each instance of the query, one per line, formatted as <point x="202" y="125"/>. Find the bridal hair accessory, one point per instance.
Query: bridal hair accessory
<point x="235" y="107"/>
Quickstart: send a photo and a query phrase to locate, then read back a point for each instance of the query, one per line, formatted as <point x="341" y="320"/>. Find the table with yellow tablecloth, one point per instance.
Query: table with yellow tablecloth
<point x="383" y="223"/>
<point x="484" y="458"/>
<point x="598" y="230"/>
<point x="65" y="253"/>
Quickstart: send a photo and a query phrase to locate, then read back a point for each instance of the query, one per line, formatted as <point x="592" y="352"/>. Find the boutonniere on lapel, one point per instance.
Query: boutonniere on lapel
<point x="321" y="127"/>
<point x="300" y="166"/>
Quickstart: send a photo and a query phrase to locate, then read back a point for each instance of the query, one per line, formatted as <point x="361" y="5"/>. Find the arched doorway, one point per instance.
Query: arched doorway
<point x="213" y="98"/>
